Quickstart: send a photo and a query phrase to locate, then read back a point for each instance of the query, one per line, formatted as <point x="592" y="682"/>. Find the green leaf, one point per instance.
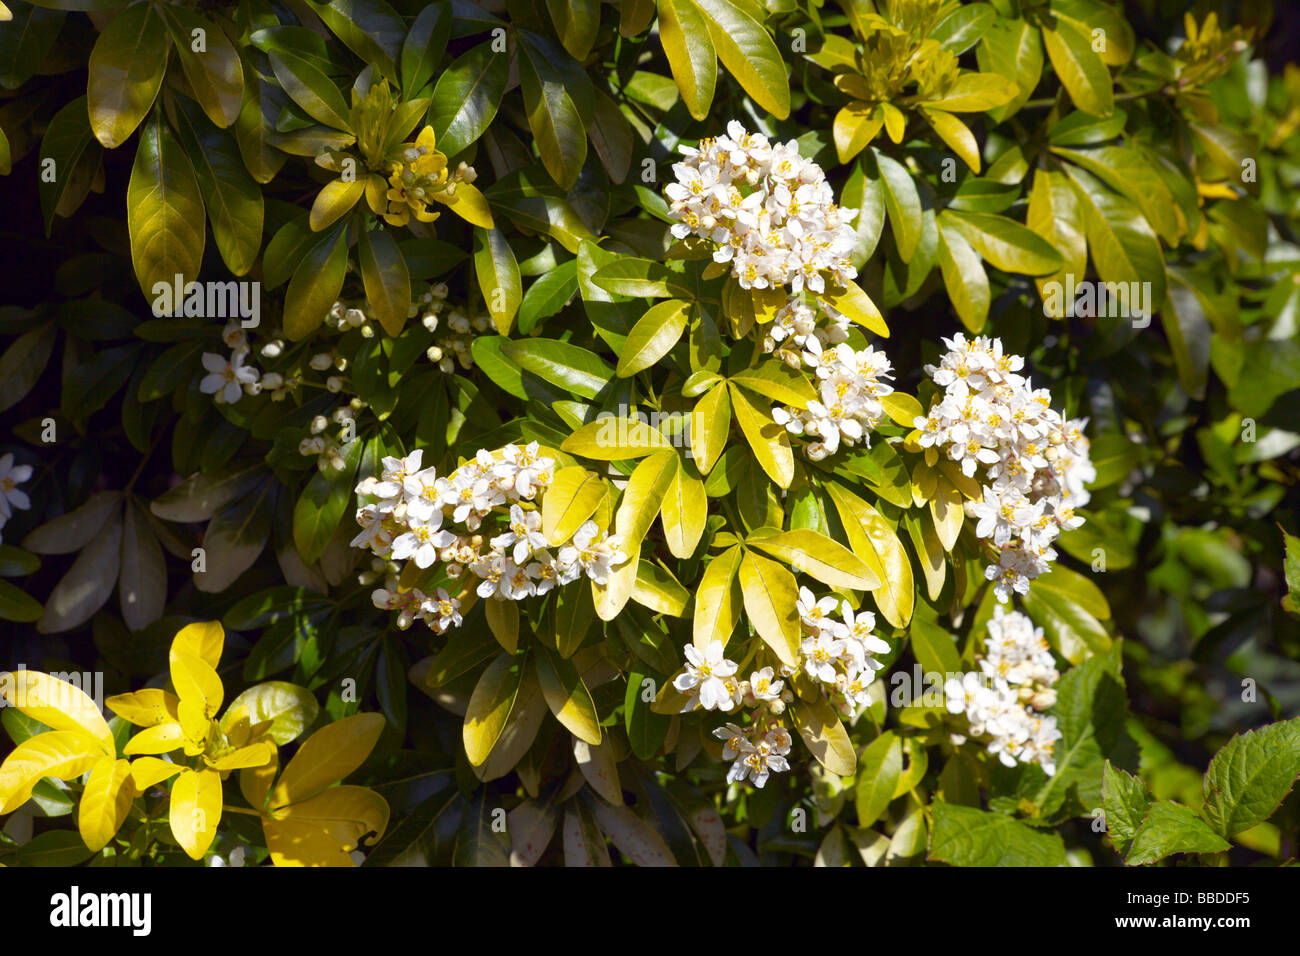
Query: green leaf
<point x="966" y="836"/>
<point x="498" y="276"/>
<point x="646" y="730"/>
<point x="323" y="503"/>
<point x="24" y="361"/>
<point x="126" y="71"/>
<point x="566" y="366"/>
<point x="70" y="145"/>
<point x="1090" y="711"/>
<point x="371" y="29"/>
<point x="1172" y="828"/>
<point x="1124" y="799"/>
<point x="232" y="198"/>
<point x="685" y="33"/>
<point x="466" y="97"/>
<point x="548" y="295"/>
<point x="24" y="44"/>
<point x="878" y="774"/>
<point x="903" y="202"/>
<point x="165" y="211"/>
<point x="748" y="53"/>
<point x="1123" y="246"/>
<point x="214" y="72"/>
<point x="640" y="278"/>
<point x="386" y="279"/>
<point x="653" y="336"/>
<point x="311" y="89"/>
<point x="1081" y="71"/>
<point x="963" y="276"/>
<point x="17" y="605"/>
<point x="1013" y="49"/>
<point x="558" y="105"/>
<point x="1005" y="243"/>
<point x="424" y="46"/>
<point x="316" y="282"/>
<point x="567" y="696"/>
<point x="576" y="23"/>
<point x="1251" y="775"/>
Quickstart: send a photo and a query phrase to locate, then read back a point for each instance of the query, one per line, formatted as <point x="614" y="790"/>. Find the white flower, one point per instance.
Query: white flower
<point x="596" y="553"/>
<point x="786" y="232"/>
<point x="421" y="543"/>
<point x="817" y="614"/>
<point x="524" y="534"/>
<point x="11" y="476"/>
<point x="392" y="481"/>
<point x="705" y="677"/>
<point x="226" y="378"/>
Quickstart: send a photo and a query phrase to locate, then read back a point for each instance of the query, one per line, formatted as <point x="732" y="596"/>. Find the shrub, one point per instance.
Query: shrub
<point x="857" y="434"/>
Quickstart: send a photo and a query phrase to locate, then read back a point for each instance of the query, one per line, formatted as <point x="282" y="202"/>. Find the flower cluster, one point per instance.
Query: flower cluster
<point x="460" y="326"/>
<point x="1035" y="462"/>
<point x="770" y="212"/>
<point x="11" y="476"/>
<point x="838" y="654"/>
<point x="796" y="338"/>
<point x="1003" y="700"/>
<point x="420" y="177"/>
<point x="760" y="747"/>
<point x="495" y="497"/>
<point x="851" y="384"/>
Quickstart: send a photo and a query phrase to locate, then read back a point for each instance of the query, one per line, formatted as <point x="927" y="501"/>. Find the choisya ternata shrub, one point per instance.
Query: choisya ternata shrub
<point x="692" y="426"/>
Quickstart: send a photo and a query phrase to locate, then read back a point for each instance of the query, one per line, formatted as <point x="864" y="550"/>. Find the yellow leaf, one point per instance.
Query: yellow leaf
<point x="327" y="756"/>
<point x="503" y="621"/>
<point x="643" y="496"/>
<point x="717" y="600"/>
<point x="571" y="498"/>
<point x="957" y="135"/>
<point x="895" y="121"/>
<point x="489" y="707"/>
<point x="254" y="755"/>
<point x="822" y="731"/>
<point x="710" y="426"/>
<point x="195" y="810"/>
<point x="770" y="595"/>
<point x="611" y="596"/>
<point x="147" y="772"/>
<point x="769" y="441"/>
<point x="335" y="199"/>
<point x="685" y="509"/>
<point x="684" y="33"/>
<point x="202" y="640"/>
<point x="470" y="204"/>
<point x="58" y="704"/>
<point x="813" y="553"/>
<point x="597" y="764"/>
<point x="653" y="336"/>
<point x="323" y="831"/>
<point x="902" y="408"/>
<point x="856" y="306"/>
<point x="567" y="696"/>
<point x="946" y="509"/>
<point x="657" y="589"/>
<point x="612" y="439"/>
<point x="105" y="802"/>
<point x="145" y="708"/>
<point x="62" y="754"/>
<point x="158" y="739"/>
<point x="855" y="126"/>
<point x="767" y="303"/>
<point x="255" y="782"/>
<point x="870" y="534"/>
<point x="196" y="683"/>
<point x="934" y="564"/>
